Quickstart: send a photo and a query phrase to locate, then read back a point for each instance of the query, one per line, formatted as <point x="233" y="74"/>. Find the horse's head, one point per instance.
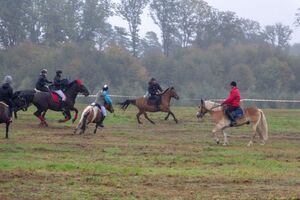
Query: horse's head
<point x="207" y="106"/>
<point x="19" y="102"/>
<point x="202" y="109"/>
<point x="173" y="93"/>
<point x="109" y="107"/>
<point x="79" y="87"/>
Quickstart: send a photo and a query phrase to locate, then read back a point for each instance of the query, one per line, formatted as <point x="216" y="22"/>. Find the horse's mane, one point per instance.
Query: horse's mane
<point x="77" y="81"/>
<point x="167" y="90"/>
<point x="212" y="105"/>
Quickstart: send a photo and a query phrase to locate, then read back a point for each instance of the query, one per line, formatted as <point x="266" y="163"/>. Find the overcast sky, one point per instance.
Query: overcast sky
<point x="266" y="12"/>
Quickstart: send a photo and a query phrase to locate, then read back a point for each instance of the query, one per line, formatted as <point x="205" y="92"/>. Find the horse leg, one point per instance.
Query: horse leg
<point x="96" y="127"/>
<point x="7" y="128"/>
<point x="44" y="114"/>
<point x="76" y="115"/>
<point x="138" y="117"/>
<point x="146" y="116"/>
<point x="253" y="135"/>
<point x="225" y="138"/>
<point x="170" y="112"/>
<point x="39" y="115"/>
<point x="15" y="114"/>
<point x="167" y="117"/>
<point x="67" y="115"/>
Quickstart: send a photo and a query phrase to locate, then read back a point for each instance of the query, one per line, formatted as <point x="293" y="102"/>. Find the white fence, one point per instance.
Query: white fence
<point x="217" y="100"/>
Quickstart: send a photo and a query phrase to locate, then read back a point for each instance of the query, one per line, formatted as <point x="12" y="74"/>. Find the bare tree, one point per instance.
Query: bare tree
<point x="131" y="10"/>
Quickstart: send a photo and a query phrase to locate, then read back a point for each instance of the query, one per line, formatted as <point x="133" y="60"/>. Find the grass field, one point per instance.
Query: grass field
<point x="163" y="161"/>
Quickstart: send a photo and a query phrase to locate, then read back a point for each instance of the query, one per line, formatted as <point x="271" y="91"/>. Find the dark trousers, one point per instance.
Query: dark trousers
<point x="156" y="99"/>
<point x="229" y="110"/>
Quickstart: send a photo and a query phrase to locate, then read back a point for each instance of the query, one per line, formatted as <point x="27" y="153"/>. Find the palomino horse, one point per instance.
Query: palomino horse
<point x="92" y="114"/>
<point x="253" y="116"/>
<point x="143" y="106"/>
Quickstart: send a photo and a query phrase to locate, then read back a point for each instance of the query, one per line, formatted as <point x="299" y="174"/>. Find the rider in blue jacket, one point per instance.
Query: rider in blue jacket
<point x="101" y="98"/>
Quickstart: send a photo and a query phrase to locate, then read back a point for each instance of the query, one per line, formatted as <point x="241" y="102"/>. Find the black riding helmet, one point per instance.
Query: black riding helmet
<point x="233" y="83"/>
<point x="58" y="72"/>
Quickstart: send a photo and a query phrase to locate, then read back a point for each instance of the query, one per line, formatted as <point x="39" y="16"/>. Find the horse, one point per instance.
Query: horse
<point x="143" y="106"/>
<point x="50" y="100"/>
<point x="4" y="117"/>
<point x="253" y="116"/>
<point x="92" y="114"/>
<point x="27" y="98"/>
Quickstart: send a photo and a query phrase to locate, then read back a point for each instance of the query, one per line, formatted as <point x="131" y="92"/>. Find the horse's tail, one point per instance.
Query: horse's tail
<point x="126" y="103"/>
<point x="84" y="115"/>
<point x="262" y="126"/>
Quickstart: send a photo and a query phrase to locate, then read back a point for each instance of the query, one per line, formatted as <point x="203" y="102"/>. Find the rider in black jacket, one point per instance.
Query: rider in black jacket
<point x="154" y="90"/>
<point x="6" y="93"/>
<point x="42" y="83"/>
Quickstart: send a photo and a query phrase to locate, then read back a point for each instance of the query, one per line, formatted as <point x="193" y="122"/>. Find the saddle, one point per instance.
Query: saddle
<point x="55" y="97"/>
<point x="238" y="113"/>
<point x="153" y="101"/>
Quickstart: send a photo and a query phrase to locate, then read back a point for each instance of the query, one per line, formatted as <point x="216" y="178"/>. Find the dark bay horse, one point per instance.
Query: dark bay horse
<point x="253" y="116"/>
<point x="45" y="100"/>
<point x="4" y="117"/>
<point x="143" y="106"/>
<point x="92" y="114"/>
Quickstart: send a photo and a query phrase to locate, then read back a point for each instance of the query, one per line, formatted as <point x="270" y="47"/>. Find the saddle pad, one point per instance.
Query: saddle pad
<point x="55" y="97"/>
<point x="238" y="113"/>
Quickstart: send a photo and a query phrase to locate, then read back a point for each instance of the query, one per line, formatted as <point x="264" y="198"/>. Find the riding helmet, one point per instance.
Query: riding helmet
<point x="233" y="83"/>
<point x="105" y="87"/>
<point x="7" y="79"/>
<point x="44" y="71"/>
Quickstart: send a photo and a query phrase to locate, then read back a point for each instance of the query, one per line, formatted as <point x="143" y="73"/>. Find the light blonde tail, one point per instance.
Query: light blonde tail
<point x="262" y="127"/>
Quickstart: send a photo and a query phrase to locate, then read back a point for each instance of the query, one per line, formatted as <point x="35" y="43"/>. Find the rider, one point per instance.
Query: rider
<point x="42" y="83"/>
<point x="6" y="93"/>
<point x="154" y="90"/>
<point x="58" y="86"/>
<point x="232" y="102"/>
<point x="102" y="96"/>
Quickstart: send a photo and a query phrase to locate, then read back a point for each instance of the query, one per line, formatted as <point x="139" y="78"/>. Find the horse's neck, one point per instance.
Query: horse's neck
<point x="166" y="98"/>
<point x="71" y="93"/>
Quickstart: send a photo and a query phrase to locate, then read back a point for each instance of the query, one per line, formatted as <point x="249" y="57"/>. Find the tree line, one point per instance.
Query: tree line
<point x="199" y="51"/>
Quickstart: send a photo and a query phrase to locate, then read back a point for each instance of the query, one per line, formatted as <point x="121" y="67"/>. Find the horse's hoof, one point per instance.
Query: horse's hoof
<point x="225" y="144"/>
<point x="166" y="118"/>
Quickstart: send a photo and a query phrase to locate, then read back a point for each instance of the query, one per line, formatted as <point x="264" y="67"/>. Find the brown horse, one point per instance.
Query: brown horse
<point x="4" y="117"/>
<point x="253" y="116"/>
<point x="92" y="114"/>
<point x="143" y="106"/>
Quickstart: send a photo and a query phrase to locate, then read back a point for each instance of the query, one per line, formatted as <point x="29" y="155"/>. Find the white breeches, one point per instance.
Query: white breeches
<point x="103" y="110"/>
<point x="61" y="94"/>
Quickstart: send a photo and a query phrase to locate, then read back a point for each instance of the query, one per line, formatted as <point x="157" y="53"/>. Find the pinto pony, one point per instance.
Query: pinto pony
<point x="253" y="116"/>
<point x="143" y="106"/>
<point x="92" y="114"/>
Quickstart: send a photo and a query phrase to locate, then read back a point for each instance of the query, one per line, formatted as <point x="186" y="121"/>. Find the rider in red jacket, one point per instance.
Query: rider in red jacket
<point x="232" y="102"/>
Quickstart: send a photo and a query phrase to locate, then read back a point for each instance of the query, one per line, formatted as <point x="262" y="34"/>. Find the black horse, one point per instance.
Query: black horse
<point x="24" y="101"/>
<point x="4" y="112"/>
<point x="45" y="100"/>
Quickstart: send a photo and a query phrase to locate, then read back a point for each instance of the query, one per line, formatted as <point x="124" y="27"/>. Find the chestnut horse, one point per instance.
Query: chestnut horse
<point x="253" y="116"/>
<point x="143" y="106"/>
<point x="92" y="114"/>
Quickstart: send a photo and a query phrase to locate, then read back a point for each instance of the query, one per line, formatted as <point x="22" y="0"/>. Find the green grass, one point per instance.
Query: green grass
<point x="166" y="161"/>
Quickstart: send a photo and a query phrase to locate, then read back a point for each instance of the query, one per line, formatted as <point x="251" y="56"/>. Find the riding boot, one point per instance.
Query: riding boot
<point x="100" y="123"/>
<point x="157" y="104"/>
<point x="63" y="105"/>
<point x="232" y="120"/>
